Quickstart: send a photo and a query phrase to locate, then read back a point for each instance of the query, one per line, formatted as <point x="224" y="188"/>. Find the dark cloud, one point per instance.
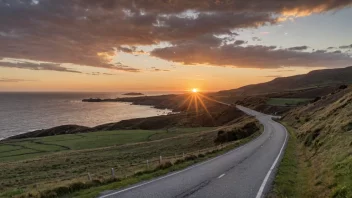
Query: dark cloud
<point x="298" y="48"/>
<point x="39" y="66"/>
<point x="256" y="39"/>
<point x="253" y="56"/>
<point x="345" y="46"/>
<point x="320" y="51"/>
<point x="329" y="48"/>
<point x="239" y="42"/>
<point x="12" y="80"/>
<point x="89" y="32"/>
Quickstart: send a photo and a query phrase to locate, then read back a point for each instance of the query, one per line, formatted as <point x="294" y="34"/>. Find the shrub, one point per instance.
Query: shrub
<point x="179" y="161"/>
<point x="77" y="186"/>
<point x="190" y="157"/>
<point x="62" y="190"/>
<point x="164" y="165"/>
<point x="201" y="155"/>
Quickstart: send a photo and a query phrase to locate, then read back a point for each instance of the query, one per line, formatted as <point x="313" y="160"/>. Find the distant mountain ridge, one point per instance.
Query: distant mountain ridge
<point x="316" y="78"/>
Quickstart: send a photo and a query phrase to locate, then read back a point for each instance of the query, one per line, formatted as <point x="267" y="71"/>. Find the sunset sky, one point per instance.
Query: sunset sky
<point x="167" y="45"/>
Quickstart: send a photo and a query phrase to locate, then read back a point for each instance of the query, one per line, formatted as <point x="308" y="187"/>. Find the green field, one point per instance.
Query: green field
<point x="43" y="163"/>
<point x="29" y="148"/>
<point x="35" y="165"/>
<point x="288" y="101"/>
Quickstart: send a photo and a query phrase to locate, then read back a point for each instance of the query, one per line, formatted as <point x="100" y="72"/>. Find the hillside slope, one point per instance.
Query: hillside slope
<point x="324" y="130"/>
<point x="312" y="79"/>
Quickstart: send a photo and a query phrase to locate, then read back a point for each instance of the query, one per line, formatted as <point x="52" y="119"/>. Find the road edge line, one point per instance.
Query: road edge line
<point x="265" y="181"/>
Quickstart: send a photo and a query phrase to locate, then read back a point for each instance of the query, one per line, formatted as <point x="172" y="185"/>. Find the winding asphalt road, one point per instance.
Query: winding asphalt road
<point x="247" y="171"/>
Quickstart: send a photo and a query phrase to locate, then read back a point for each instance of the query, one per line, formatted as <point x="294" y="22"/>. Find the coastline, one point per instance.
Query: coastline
<point x="74" y="128"/>
<point x="180" y="115"/>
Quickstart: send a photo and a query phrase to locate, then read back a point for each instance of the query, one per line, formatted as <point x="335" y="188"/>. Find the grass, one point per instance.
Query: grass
<point x="320" y="169"/>
<point x="191" y="160"/>
<point x="287" y="101"/>
<point x="28" y="148"/>
<point x="291" y="174"/>
<point x="35" y="172"/>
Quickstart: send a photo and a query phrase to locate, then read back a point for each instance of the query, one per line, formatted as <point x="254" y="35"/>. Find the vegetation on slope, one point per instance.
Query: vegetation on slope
<point x="324" y="147"/>
<point x="317" y="78"/>
<point x="288" y="101"/>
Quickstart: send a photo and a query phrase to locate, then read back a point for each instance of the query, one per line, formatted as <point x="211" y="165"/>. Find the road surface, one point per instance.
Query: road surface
<point x="247" y="171"/>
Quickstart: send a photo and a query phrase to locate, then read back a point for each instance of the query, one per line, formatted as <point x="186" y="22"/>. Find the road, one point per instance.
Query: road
<point x="247" y="171"/>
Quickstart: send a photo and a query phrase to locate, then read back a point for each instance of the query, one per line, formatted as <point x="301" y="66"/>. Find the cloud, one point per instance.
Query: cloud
<point x="286" y="70"/>
<point x="39" y="66"/>
<point x="154" y="69"/>
<point x="252" y="56"/>
<point x="121" y="67"/>
<point x="272" y="76"/>
<point x="345" y="46"/>
<point x="89" y="32"/>
<point x="298" y="48"/>
<point x="131" y="50"/>
<point x="13" y="80"/>
<point x="99" y="73"/>
<point x="256" y="39"/>
<point x="239" y="42"/>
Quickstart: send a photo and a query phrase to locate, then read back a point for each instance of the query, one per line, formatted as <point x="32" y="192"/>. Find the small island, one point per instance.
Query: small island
<point x="133" y="94"/>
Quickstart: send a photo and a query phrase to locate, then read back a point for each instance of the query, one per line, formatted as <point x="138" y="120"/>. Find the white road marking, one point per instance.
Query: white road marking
<point x="261" y="189"/>
<point x="221" y="176"/>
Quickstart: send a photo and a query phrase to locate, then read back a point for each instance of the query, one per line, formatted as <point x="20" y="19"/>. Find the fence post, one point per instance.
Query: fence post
<point x="147" y="164"/>
<point x="113" y="172"/>
<point x="89" y="177"/>
<point x="160" y="159"/>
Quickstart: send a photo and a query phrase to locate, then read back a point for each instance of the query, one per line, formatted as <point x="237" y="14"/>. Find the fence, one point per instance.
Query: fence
<point x="151" y="164"/>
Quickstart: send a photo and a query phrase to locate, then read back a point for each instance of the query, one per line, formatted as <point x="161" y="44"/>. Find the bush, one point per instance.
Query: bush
<point x="237" y="133"/>
<point x="164" y="165"/>
<point x="77" y="186"/>
<point x="190" y="157"/>
<point x="201" y="155"/>
<point x="179" y="161"/>
<point x="61" y="190"/>
<point x="343" y="87"/>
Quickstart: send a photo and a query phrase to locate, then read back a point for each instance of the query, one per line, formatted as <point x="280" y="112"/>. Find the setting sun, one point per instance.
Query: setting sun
<point x="194" y="90"/>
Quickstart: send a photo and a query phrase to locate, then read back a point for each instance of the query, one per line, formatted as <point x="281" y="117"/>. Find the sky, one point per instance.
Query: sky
<point x="167" y="45"/>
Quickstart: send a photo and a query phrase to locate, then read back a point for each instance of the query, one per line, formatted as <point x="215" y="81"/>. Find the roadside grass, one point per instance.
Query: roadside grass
<point x="290" y="176"/>
<point x="288" y="101"/>
<point x="47" y="171"/>
<point x="28" y="148"/>
<point x="322" y="169"/>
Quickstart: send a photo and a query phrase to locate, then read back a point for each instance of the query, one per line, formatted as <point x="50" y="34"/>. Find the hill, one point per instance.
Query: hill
<point x="322" y="160"/>
<point x="317" y="78"/>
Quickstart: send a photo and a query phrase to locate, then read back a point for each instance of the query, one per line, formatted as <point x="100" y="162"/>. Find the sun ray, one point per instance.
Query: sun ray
<point x="190" y="102"/>
<point x="185" y="101"/>
<point x="196" y="103"/>
<point x="205" y="108"/>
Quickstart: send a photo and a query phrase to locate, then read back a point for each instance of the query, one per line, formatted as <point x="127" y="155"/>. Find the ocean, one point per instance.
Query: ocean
<point x="24" y="112"/>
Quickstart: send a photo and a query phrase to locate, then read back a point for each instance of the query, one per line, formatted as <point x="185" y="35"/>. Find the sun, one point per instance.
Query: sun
<point x="194" y="90"/>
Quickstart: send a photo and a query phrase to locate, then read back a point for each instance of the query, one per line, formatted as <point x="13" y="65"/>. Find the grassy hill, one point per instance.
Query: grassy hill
<point x="319" y="164"/>
<point x="317" y="78"/>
